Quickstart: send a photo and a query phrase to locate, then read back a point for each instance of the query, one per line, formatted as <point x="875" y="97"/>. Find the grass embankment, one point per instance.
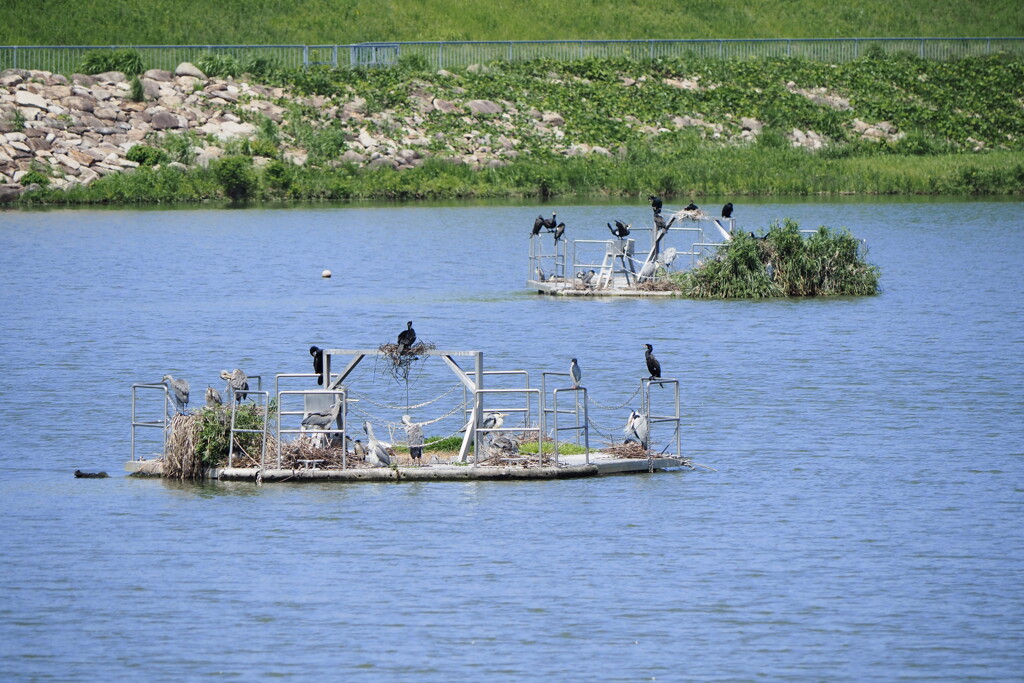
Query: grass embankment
<point x="959" y="130"/>
<point x="238" y="22"/>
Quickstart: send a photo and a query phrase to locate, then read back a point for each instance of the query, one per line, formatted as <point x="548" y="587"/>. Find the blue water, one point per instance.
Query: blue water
<point x="864" y="521"/>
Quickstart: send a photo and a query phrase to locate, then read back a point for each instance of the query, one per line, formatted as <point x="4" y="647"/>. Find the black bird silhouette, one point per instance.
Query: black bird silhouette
<point x="691" y="207"/>
<point x="727" y="210"/>
<point x="620" y="230"/>
<point x="653" y="366"/>
<point x="541" y="223"/>
<point x="660" y="223"/>
<point x="559" y="231"/>
<point x="318" y="363"/>
<point x="655" y="203"/>
<point x="406" y="338"/>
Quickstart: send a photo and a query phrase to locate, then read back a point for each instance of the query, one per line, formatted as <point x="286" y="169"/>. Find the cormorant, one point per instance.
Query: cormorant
<point x="655" y="203"/>
<point x="653" y="366"/>
<point x="238" y="383"/>
<point x="691" y="207"/>
<point x="727" y="210"/>
<point x="318" y="363"/>
<point x="179" y="392"/>
<point x="542" y="223"/>
<point x="213" y="397"/>
<point x="620" y="230"/>
<point x="575" y="373"/>
<point x="406" y="338"/>
<point x="559" y="231"/>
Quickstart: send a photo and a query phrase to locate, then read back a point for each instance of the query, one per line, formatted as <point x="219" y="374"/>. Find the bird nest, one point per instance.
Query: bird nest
<point x="629" y="450"/>
<point x="663" y="284"/>
<point x="305" y="453"/>
<point x="399" y="362"/>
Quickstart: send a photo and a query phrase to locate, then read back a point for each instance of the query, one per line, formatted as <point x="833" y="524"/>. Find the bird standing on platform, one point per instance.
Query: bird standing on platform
<point x="321" y="419"/>
<point x="376" y="452"/>
<point x="238" y="383"/>
<point x="318" y="363"/>
<point x="620" y="230"/>
<point x="575" y="373"/>
<point x="406" y="338"/>
<point x="559" y="231"/>
<point x="358" y="449"/>
<point x="655" y="201"/>
<point x="542" y="223"/>
<point x="727" y="210"/>
<point x="653" y="366"/>
<point x="637" y="429"/>
<point x="179" y="392"/>
<point x="414" y="435"/>
<point x="213" y="397"/>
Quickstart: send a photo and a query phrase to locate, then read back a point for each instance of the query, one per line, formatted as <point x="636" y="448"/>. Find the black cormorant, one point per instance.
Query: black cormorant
<point x="691" y="207"/>
<point x="318" y="363"/>
<point x="559" y="231"/>
<point x="620" y="230"/>
<point x="653" y="366"/>
<point x="727" y="210"/>
<point x="542" y="223"/>
<point x="406" y="338"/>
<point x="655" y="203"/>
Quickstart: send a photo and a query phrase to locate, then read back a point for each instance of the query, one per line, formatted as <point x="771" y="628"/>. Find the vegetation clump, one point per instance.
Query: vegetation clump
<point x="200" y="440"/>
<point x="783" y="263"/>
<point x="125" y="60"/>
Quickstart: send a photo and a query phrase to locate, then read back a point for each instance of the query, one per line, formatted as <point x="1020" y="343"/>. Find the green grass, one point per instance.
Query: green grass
<point x="190" y="22"/>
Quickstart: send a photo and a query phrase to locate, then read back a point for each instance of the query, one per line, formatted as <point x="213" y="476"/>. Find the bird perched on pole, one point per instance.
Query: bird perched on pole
<point x="318" y="363"/>
<point x="213" y="397"/>
<point x="406" y="338"/>
<point x="620" y="230"/>
<point x="727" y="210"/>
<point x="179" y="392"/>
<point x="655" y="201"/>
<point x="238" y="383"/>
<point x="541" y="223"/>
<point x="575" y="373"/>
<point x="414" y="434"/>
<point x="559" y="231"/>
<point x="653" y="366"/>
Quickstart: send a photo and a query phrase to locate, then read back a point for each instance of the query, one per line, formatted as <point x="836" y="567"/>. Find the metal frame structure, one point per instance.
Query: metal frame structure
<point x="342" y="415"/>
<point x="162" y="424"/>
<point x="235" y="430"/>
<point x="645" y="407"/>
<point x="66" y="59"/>
<point x="580" y="427"/>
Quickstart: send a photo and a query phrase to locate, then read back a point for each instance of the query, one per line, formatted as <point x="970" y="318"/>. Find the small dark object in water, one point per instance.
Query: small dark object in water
<point x="79" y="474"/>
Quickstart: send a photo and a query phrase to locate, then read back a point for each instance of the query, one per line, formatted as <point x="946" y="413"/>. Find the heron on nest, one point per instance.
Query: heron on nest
<point x="213" y="397"/>
<point x="179" y="392"/>
<point x="637" y="429"/>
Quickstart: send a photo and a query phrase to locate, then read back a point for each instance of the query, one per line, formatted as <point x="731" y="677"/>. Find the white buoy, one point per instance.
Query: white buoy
<point x="326" y="273"/>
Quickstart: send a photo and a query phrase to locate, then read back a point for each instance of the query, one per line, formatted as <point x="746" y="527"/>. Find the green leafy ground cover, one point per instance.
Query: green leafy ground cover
<point x="241" y="22"/>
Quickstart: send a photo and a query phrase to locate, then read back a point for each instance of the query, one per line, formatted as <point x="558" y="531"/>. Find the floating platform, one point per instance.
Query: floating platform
<point x="568" y="289"/>
<point x="572" y="467"/>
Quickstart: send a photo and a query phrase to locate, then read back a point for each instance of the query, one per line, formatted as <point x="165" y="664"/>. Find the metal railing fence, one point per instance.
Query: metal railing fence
<point x="67" y="59"/>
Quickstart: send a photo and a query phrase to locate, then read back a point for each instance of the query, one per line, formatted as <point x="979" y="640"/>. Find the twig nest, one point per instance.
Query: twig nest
<point x="326" y="273"/>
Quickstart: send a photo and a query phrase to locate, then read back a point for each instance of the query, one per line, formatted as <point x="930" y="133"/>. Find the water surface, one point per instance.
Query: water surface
<point x="864" y="521"/>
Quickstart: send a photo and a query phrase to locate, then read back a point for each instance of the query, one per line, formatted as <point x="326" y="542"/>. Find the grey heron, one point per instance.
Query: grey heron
<point x="213" y="397"/>
<point x="503" y="445"/>
<point x="653" y="366"/>
<point x="238" y="383"/>
<point x="318" y="363"/>
<point x="540" y="275"/>
<point x="667" y="257"/>
<point x="376" y="452"/>
<point x="179" y="392"/>
<point x="637" y="429"/>
<point x="727" y="210"/>
<point x="414" y="434"/>
<point x="406" y="338"/>
<point x="588" y="277"/>
<point x="321" y="419"/>
<point x="575" y="373"/>
<point x="493" y="420"/>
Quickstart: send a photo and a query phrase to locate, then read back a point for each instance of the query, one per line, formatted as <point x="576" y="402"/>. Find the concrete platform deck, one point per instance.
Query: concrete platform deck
<point x="561" y="288"/>
<point x="571" y="467"/>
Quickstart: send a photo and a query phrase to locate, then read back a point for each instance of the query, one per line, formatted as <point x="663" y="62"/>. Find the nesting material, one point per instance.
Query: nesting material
<point x="399" y="364"/>
<point x="630" y="450"/>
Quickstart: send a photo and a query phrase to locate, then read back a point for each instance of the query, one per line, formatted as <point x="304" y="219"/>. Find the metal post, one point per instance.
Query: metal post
<point x="305" y="56"/>
<point x="478" y="401"/>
